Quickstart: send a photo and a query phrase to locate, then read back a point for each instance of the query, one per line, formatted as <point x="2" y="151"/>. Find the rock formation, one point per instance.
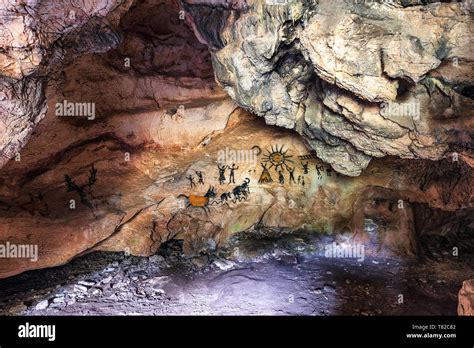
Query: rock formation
<point x="466" y="298"/>
<point x="353" y="79"/>
<point x="372" y="116"/>
<point x="34" y="37"/>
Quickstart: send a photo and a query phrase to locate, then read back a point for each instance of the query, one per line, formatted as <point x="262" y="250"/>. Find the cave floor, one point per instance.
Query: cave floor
<point x="270" y="277"/>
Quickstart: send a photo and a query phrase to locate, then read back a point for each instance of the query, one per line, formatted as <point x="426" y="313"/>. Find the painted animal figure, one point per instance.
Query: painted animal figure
<point x="225" y="196"/>
<point x="245" y="186"/>
<point x="240" y="192"/>
<point x="200" y="201"/>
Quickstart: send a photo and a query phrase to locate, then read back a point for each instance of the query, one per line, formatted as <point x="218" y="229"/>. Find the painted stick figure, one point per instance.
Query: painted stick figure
<point x="232" y="173"/>
<point x="305" y="167"/>
<point x="191" y="180"/>
<point x="222" y="174"/>
<point x="292" y="175"/>
<point x="319" y="169"/>
<point x="281" y="177"/>
<point x="200" y="177"/>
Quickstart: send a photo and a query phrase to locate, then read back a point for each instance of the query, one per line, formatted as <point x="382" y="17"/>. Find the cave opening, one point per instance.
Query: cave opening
<point x="145" y="210"/>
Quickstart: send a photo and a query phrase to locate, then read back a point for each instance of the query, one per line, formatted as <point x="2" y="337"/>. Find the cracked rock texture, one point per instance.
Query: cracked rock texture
<point x="466" y="298"/>
<point x="320" y="78"/>
<point x="35" y="36"/>
<point x="346" y="76"/>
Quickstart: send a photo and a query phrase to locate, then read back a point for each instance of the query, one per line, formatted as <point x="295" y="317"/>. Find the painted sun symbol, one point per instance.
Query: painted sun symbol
<point x="278" y="158"/>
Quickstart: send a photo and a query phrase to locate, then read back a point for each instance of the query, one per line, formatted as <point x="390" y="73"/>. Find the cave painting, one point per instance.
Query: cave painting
<point x="292" y="175"/>
<point x="200" y="177"/>
<point x="319" y="169"/>
<point x="225" y="197"/>
<point x="84" y="191"/>
<point x="239" y="193"/>
<point x="191" y="180"/>
<point x="301" y="180"/>
<point x="222" y="169"/>
<point x="378" y="87"/>
<point x="232" y="173"/>
<point x="277" y="157"/>
<point x="265" y="177"/>
<point x="257" y="150"/>
<point x="309" y="156"/>
<point x="305" y="167"/>
<point x="281" y="177"/>
<point x="200" y="201"/>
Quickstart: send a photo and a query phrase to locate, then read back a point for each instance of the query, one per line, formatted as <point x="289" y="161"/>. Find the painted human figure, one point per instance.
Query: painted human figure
<point x="200" y="177"/>
<point x="302" y="181"/>
<point x="299" y="179"/>
<point x="222" y="174"/>
<point x="191" y="180"/>
<point x="232" y="173"/>
<point x="281" y="177"/>
<point x="319" y="169"/>
<point x="305" y="167"/>
<point x="292" y="175"/>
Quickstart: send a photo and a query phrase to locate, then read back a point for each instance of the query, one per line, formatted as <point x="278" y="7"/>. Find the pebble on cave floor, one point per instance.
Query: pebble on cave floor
<point x="283" y="276"/>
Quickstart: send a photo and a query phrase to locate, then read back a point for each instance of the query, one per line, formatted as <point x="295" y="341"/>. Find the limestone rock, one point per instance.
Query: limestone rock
<point x="466" y="298"/>
<point x="161" y="118"/>
<point x="42" y="305"/>
<point x="380" y="87"/>
<point x="33" y="37"/>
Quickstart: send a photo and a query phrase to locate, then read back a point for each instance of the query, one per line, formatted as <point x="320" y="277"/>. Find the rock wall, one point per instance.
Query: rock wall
<point x="299" y="132"/>
<point x="353" y="78"/>
<point x="144" y="161"/>
<point x="35" y="37"/>
<point x="466" y="298"/>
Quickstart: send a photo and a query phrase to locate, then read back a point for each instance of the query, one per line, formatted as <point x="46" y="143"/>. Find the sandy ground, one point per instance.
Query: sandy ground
<point x="270" y="276"/>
